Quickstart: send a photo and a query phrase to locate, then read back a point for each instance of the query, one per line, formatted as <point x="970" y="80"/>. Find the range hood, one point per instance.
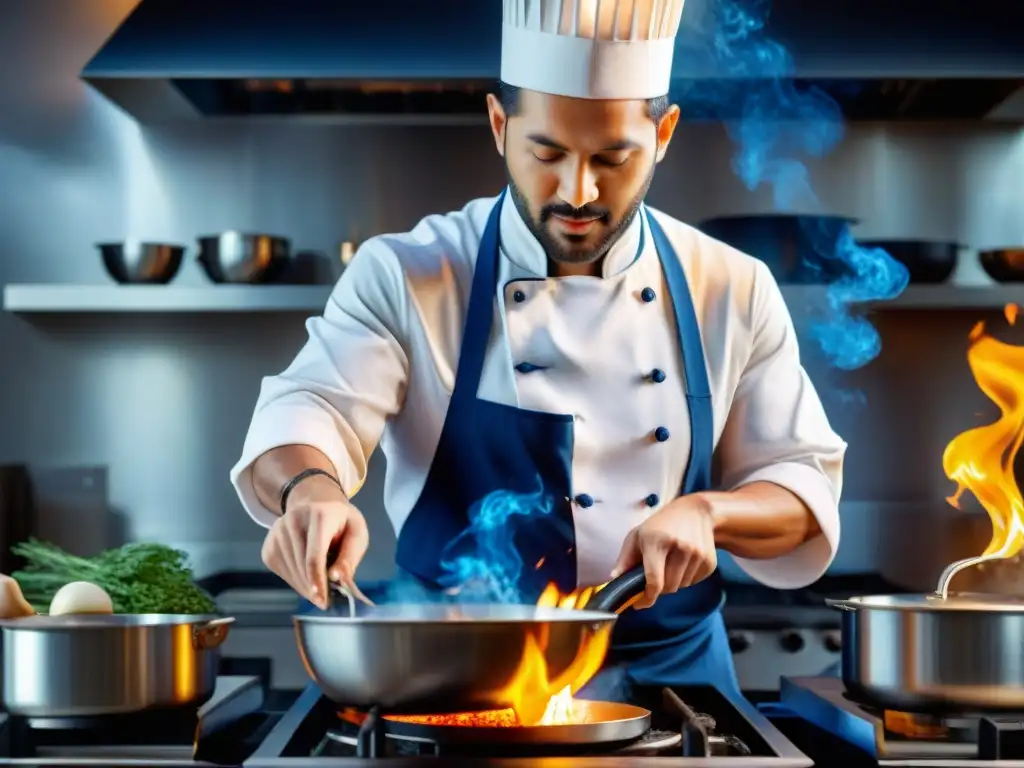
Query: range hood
<point x="431" y="61"/>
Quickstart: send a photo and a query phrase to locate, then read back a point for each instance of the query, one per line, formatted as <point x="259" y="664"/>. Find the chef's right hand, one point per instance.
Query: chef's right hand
<point x="297" y="545"/>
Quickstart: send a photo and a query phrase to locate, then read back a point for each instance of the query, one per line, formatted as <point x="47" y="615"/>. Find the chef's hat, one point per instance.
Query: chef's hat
<point x="590" y="49"/>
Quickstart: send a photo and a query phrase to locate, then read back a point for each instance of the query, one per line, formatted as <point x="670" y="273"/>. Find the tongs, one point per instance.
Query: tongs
<point x="350" y="592"/>
<point x="346" y="586"/>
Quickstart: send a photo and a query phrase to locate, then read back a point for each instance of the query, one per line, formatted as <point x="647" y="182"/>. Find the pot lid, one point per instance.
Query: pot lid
<point x="956" y="601"/>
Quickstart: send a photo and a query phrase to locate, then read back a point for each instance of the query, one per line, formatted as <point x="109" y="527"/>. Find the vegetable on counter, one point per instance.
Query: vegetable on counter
<point x="139" y="577"/>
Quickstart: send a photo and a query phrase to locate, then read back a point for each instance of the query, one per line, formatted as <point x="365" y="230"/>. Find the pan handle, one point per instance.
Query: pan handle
<point x="207" y="635"/>
<point x="620" y="593"/>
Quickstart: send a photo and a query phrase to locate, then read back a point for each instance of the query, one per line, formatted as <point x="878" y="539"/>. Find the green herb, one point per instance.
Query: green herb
<point x="140" y="578"/>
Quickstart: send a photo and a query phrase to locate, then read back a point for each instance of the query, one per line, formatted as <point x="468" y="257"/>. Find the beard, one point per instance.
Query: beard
<point x="572" y="249"/>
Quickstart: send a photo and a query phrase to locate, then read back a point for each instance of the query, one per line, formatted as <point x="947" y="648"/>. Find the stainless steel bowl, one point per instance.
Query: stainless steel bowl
<point x="134" y="261"/>
<point x="237" y="257"/>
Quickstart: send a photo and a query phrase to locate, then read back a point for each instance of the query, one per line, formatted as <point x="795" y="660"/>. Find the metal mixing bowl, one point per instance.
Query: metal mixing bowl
<point x="134" y="261"/>
<point x="237" y="257"/>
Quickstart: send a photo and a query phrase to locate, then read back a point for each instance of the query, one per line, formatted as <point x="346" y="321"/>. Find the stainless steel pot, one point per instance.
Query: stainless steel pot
<point x="236" y="257"/>
<point x="451" y="658"/>
<point x="926" y="653"/>
<point x="81" y="666"/>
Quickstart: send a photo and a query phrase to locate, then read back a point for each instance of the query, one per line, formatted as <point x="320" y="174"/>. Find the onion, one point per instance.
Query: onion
<point x="80" y="597"/>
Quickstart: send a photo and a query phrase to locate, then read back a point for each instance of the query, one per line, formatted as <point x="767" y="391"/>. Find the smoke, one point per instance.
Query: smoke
<point x="779" y="126"/>
<point x="481" y="564"/>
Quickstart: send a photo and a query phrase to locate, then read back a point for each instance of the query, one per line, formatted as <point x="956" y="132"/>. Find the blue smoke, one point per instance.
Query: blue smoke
<point x="481" y="564"/>
<point x="779" y="125"/>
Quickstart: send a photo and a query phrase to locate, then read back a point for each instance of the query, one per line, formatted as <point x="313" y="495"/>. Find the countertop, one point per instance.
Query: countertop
<point x="445" y="762"/>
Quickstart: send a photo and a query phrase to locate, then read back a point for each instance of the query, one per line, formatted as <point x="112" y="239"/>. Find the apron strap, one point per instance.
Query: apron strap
<point x="480" y="315"/>
<point x="698" y="390"/>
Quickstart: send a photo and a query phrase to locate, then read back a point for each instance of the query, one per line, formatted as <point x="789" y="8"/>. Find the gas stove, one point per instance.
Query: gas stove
<point x="223" y="731"/>
<point x="242" y="725"/>
<point x="898" y="738"/>
<point x="692" y="726"/>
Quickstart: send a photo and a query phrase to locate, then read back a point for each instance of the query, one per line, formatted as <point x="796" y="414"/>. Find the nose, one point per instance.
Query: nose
<point x="578" y="184"/>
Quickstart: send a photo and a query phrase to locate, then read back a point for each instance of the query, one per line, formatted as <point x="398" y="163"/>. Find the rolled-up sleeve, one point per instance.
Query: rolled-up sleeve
<point x="777" y="431"/>
<point x="347" y="380"/>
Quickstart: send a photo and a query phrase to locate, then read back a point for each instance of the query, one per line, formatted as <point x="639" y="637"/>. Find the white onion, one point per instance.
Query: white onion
<point x="80" y="597"/>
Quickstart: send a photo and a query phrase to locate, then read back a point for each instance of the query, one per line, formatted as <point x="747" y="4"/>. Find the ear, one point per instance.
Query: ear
<point x="498" y="120"/>
<point x="667" y="129"/>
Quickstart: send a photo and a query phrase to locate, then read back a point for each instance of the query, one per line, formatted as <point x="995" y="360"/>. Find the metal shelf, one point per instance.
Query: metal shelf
<point x="49" y="299"/>
<point x="934" y="297"/>
<point x="85" y="299"/>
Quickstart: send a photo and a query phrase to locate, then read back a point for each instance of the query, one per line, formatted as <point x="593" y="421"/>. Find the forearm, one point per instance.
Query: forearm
<point x="760" y="521"/>
<point x="272" y="471"/>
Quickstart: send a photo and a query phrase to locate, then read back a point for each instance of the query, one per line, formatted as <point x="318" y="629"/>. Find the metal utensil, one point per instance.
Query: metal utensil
<point x="134" y="261"/>
<point x="428" y="658"/>
<point x="951" y="570"/>
<point x="82" y="666"/>
<point x="237" y="257"/>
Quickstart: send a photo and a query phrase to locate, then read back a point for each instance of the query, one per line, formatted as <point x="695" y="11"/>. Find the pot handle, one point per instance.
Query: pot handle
<point x="207" y="635"/>
<point x="841" y="605"/>
<point x="620" y="593"/>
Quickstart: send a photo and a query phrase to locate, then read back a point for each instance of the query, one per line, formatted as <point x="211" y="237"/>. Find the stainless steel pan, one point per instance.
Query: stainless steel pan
<point x="83" y="666"/>
<point x="934" y="652"/>
<point x="444" y="658"/>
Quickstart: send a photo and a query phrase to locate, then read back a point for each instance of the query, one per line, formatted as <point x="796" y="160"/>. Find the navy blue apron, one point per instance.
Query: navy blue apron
<point x="486" y="447"/>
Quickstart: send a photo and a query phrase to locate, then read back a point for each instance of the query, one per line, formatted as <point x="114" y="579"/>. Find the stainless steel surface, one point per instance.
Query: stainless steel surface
<point x="822" y="701"/>
<point x="604" y="721"/>
<point x="72" y="666"/>
<point x="237" y="257"/>
<point x="919" y="653"/>
<point x="429" y="659"/>
<point x="134" y="261"/>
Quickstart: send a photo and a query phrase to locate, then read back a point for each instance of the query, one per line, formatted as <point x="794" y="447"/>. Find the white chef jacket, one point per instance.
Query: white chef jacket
<point x="380" y="365"/>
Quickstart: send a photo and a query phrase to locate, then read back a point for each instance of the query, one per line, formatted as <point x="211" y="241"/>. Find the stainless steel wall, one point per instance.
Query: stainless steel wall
<point x="164" y="402"/>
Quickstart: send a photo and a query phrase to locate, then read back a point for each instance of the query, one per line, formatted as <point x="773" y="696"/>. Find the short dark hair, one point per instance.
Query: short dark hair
<point x="509" y="97"/>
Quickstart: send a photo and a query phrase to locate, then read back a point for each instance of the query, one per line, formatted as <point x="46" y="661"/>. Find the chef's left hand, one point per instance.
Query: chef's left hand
<point x="676" y="546"/>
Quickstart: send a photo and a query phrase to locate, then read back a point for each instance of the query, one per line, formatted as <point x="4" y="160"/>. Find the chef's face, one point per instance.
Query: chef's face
<point x="579" y="168"/>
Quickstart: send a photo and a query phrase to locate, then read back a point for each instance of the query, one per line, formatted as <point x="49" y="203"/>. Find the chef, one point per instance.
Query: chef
<point x="562" y="339"/>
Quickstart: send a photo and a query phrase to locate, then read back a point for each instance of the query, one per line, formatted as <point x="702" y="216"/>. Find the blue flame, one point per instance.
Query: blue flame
<point x="779" y="125"/>
<point x="482" y="564"/>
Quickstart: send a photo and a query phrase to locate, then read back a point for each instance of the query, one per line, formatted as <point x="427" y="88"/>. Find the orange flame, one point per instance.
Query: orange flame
<point x="981" y="460"/>
<point x="537" y="697"/>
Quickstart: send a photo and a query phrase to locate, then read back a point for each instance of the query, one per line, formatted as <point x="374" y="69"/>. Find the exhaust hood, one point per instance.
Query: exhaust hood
<point x="431" y="61"/>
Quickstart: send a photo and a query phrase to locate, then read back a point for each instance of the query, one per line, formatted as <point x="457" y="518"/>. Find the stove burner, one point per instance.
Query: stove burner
<point x="715" y="726"/>
<point x="955" y="738"/>
<point x="595" y="722"/>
